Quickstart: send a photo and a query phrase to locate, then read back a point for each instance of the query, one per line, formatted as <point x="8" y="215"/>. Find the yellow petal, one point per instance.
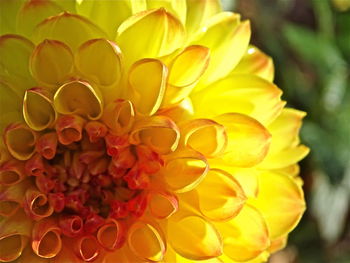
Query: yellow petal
<point x="51" y="63"/>
<point x="33" y="12"/>
<point x="99" y="60"/>
<point x="46" y="240"/>
<point x="12" y="172"/>
<point x="228" y="40"/>
<point x="278" y="244"/>
<point x="184" y="170"/>
<point x="162" y="204"/>
<point x="166" y="30"/>
<point x="257" y="63"/>
<point x="147" y="92"/>
<point x="285" y="129"/>
<point x="198" y="13"/>
<point x="20" y="141"/>
<point x="220" y="196"/>
<point x="205" y="136"/>
<point x="281" y="202"/>
<point x="285" y="158"/>
<point x="181" y="111"/>
<point x="119" y="116"/>
<point x="111" y="235"/>
<point x="158" y="132"/>
<point x="146" y="241"/>
<point x="8" y="12"/>
<point x="105" y="15"/>
<point x="11" y="197"/>
<point x="176" y="7"/>
<point x="245" y="236"/>
<point x="248" y="140"/>
<point x="38" y="110"/>
<point x="185" y="71"/>
<point x="15" y="52"/>
<point x="10" y="103"/>
<point x="78" y="97"/>
<point x="247" y="94"/>
<point x="194" y="238"/>
<point x="70" y="29"/>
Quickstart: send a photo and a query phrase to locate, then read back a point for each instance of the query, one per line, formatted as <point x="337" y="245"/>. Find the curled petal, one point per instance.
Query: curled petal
<point x="35" y="165"/>
<point x="11" y="198"/>
<point x="228" y="40"/>
<point x="78" y="97"/>
<point x="111" y="236"/>
<point x="205" y="136"/>
<point x="163" y="204"/>
<point x="33" y="12"/>
<point x="185" y="70"/>
<point x="87" y="248"/>
<point x="14" y="235"/>
<point x="184" y="171"/>
<point x="28" y="256"/>
<point x="241" y="93"/>
<point x="220" y="196"/>
<point x="158" y="132"/>
<point x="167" y="35"/>
<point x="38" y="111"/>
<point x="147" y="93"/>
<point x="46" y="239"/>
<point x="257" y="63"/>
<point x="119" y="116"/>
<point x="70" y="29"/>
<point x="51" y="63"/>
<point x="282" y="212"/>
<point x="36" y="205"/>
<point x="20" y="141"/>
<point x="15" y="52"/>
<point x="71" y="226"/>
<point x="248" y="140"/>
<point x="96" y="130"/>
<point x="194" y="238"/>
<point x="69" y="129"/>
<point x="245" y="236"/>
<point x="46" y="145"/>
<point x="99" y="60"/>
<point x="146" y="241"/>
<point x="12" y="172"/>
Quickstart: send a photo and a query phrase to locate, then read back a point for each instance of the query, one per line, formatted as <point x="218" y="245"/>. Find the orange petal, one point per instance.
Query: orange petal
<point x="166" y="30"/>
<point x="119" y="116"/>
<point x="20" y="141"/>
<point x="194" y="238"/>
<point x="38" y="111"/>
<point x="162" y="204"/>
<point x="185" y="70"/>
<point x="111" y="236"/>
<point x="86" y="248"/>
<point x="36" y="204"/>
<point x="71" y="225"/>
<point x="69" y="128"/>
<point x="146" y="241"/>
<point x="46" y="145"/>
<point x="158" y="132"/>
<point x="70" y="29"/>
<point x="28" y="256"/>
<point x="33" y="12"/>
<point x="51" y="63"/>
<point x="248" y="140"/>
<point x="245" y="236"/>
<point x="12" y="172"/>
<point x="246" y="94"/>
<point x="99" y="60"/>
<point x="257" y="63"/>
<point x="46" y="240"/>
<point x="281" y="202"/>
<point x="205" y="136"/>
<point x="184" y="170"/>
<point x="220" y="196"/>
<point x="78" y="97"/>
<point x="147" y="93"/>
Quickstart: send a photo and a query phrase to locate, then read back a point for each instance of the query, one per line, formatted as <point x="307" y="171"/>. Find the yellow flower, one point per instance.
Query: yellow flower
<point x="141" y="131"/>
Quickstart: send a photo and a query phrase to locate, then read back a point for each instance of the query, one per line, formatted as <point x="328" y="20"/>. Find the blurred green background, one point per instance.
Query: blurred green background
<point x="309" y="41"/>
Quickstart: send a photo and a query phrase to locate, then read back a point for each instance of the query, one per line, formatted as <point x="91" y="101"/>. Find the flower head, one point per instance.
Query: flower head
<point x="141" y="131"/>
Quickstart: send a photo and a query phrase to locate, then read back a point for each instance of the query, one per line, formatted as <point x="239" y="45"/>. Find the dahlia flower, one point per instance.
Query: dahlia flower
<point x="141" y="131"/>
